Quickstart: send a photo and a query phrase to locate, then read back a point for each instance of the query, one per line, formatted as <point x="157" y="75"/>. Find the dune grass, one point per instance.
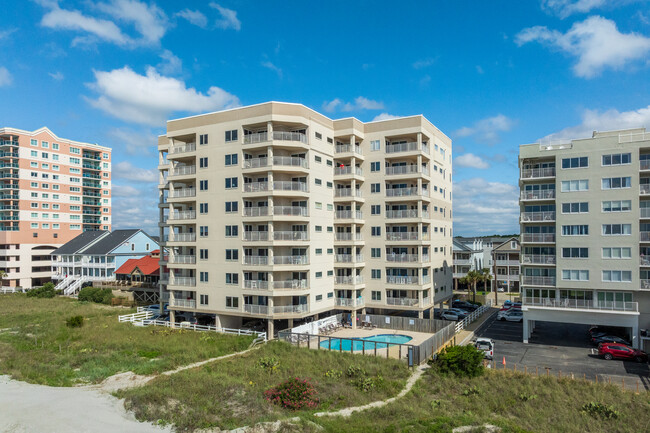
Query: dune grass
<point x="36" y="346"/>
<point x="229" y="393"/>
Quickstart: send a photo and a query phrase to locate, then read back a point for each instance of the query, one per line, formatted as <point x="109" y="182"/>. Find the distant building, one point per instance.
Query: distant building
<point x="95" y="255"/>
<point x="473" y="254"/>
<point x="51" y="190"/>
<point x="141" y="277"/>
<point x="506" y="265"/>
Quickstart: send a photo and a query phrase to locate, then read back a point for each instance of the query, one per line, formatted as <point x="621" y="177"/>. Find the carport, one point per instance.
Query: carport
<point x="625" y="319"/>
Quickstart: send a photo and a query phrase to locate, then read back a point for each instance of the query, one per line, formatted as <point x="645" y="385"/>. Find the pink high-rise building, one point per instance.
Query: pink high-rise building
<point x="51" y="190"/>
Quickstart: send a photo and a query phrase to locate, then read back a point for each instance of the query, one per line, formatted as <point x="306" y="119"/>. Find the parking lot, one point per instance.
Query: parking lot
<point x="559" y="348"/>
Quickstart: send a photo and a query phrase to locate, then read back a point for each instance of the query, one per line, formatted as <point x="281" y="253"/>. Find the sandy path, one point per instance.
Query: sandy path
<point x="25" y="407"/>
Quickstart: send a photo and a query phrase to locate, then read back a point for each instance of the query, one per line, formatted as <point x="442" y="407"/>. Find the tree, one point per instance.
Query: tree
<point x="484" y="277"/>
<point x="3" y="275"/>
<point x="471" y="279"/>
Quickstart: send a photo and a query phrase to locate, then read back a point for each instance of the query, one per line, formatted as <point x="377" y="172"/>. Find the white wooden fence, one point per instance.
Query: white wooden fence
<point x="473" y="316"/>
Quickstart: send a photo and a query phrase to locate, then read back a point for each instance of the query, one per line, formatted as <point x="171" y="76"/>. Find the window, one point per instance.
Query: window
<point x="617" y="276"/>
<point x="203" y="208"/>
<point x="56" y="227"/>
<point x="575" y="275"/>
<point x="55" y="167"/>
<point x="330" y="294"/>
<point x="231" y="159"/>
<point x="232" y="278"/>
<point x="330" y="206"/>
<point x="319" y="251"/>
<point x="232" y="255"/>
<point x="203" y="254"/>
<point x="203" y="231"/>
<point x="578" y="162"/>
<point x="55" y="157"/>
<point x="203" y="162"/>
<point x="203" y="185"/>
<point x="575" y="230"/>
<point x="575" y="253"/>
<point x="376" y="295"/>
<point x="33" y="142"/>
<point x="318" y="159"/>
<point x="318" y="181"/>
<point x="232" y="302"/>
<point x="232" y="206"/>
<point x="582" y="207"/>
<point x="375" y="274"/>
<point x="203" y="277"/>
<point x="616" y="182"/>
<point x="375" y="231"/>
<point x="329" y="163"/>
<point x="330" y="229"/>
<point x="203" y="139"/>
<point x="375" y="188"/>
<point x="330" y="251"/>
<point x="375" y="166"/>
<point x="45" y="145"/>
<point x="75" y="170"/>
<point x="375" y="252"/>
<point x="617" y="159"/>
<point x="575" y="185"/>
<point x="375" y="209"/>
<point x="318" y="135"/>
<point x="231" y="182"/>
<point x="203" y="299"/>
<point x="330" y="140"/>
<point x="232" y="231"/>
<point x="33" y="164"/>
<point x="319" y="275"/>
<point x="319" y="298"/>
<point x="318" y="228"/>
<point x="330" y="185"/>
<point x="34" y="153"/>
<point x="617" y="229"/>
<point x="55" y="146"/>
<point x="45" y="155"/>
<point x="231" y="135"/>
<point x="617" y="206"/>
<point x="617" y="253"/>
<point x="34" y="225"/>
<point x="330" y="273"/>
<point x="375" y="145"/>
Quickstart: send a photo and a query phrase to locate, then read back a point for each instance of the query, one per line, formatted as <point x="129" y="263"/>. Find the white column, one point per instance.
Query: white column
<point x="526" y="332"/>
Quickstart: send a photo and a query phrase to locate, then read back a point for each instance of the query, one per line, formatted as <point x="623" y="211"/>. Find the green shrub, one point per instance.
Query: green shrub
<point x="75" y="321"/>
<point x="364" y="384"/>
<point x="295" y="394"/>
<point x="464" y="361"/>
<point x="527" y="397"/>
<point x="46" y="291"/>
<point x="95" y="294"/>
<point x="355" y="371"/>
<point x="474" y="390"/>
<point x="269" y="363"/>
<point x="333" y="374"/>
<point x="600" y="410"/>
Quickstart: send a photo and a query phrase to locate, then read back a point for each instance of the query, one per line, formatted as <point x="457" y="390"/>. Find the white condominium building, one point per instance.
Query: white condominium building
<point x="276" y="212"/>
<point x="585" y="231"/>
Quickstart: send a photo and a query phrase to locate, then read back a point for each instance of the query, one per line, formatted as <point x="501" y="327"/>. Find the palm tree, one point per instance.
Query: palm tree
<point x="471" y="279"/>
<point x="484" y="277"/>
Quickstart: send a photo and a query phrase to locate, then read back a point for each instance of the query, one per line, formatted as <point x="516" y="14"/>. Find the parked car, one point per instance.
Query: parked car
<point x="186" y="319"/>
<point x="609" y="339"/>
<point x="486" y="346"/>
<point x="460" y="312"/>
<point x="511" y="315"/>
<point x="449" y="315"/>
<point x="255" y="325"/>
<point x="607" y="330"/>
<point x="610" y="351"/>
<point x="507" y="303"/>
<point x="464" y="305"/>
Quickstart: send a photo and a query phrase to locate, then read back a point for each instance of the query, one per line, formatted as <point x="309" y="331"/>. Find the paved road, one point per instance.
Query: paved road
<point x="559" y="347"/>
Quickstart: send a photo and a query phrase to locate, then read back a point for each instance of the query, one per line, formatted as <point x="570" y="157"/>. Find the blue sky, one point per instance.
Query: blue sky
<point x="490" y="74"/>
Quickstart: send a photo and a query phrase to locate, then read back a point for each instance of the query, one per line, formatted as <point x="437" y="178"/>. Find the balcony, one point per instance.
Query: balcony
<point x="290" y="260"/>
<point x="402" y="258"/>
<point x="290" y="284"/>
<point x="276" y="186"/>
<point x="276" y="211"/>
<point x="403" y="213"/>
<point x="581" y="304"/>
<point x="180" y="259"/>
<point x="466" y="262"/>
<point x="537" y="259"/>
<point x="256" y="284"/>
<point x="547" y="194"/>
<point x="256" y="236"/>
<point x="644" y="212"/>
<point x="538" y="281"/>
<point x="406" y="169"/>
<point x="537" y="173"/>
<point x="349" y="302"/>
<point x="527" y="217"/>
<point x="407" y="236"/>
<point x="403" y="280"/>
<point x="644" y="260"/>
<point x="256" y="211"/>
<point x="349" y="280"/>
<point x="644" y="189"/>
<point x="538" y="238"/>
<point x="183" y="215"/>
<point x="291" y="309"/>
<point x="348" y="214"/>
<point x="644" y="236"/>
<point x="279" y="161"/>
<point x="94" y="156"/>
<point x="348" y="237"/>
<point x="183" y="170"/>
<point x="504" y="262"/>
<point x="347" y="148"/>
<point x="407" y="147"/>
<point x="406" y="192"/>
<point x="183" y="303"/>
<point x="645" y="284"/>
<point x="182" y="148"/>
<point x="262" y="137"/>
<point x="256" y="309"/>
<point x="644" y="164"/>
<point x="343" y="258"/>
<point x="95" y="167"/>
<point x="182" y="281"/>
<point x="347" y="171"/>
<point x="347" y="192"/>
<point x="408" y="302"/>
<point x="256" y="260"/>
<point x="183" y="192"/>
<point x="182" y="237"/>
<point x="290" y="235"/>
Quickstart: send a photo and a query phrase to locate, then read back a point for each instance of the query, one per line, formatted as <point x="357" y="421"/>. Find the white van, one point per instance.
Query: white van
<point x="486" y="346"/>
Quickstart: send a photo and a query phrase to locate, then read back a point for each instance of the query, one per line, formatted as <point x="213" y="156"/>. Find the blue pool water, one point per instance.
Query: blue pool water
<point x="380" y="341"/>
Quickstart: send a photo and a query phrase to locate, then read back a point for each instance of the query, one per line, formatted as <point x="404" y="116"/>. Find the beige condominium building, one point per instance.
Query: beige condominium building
<point x="51" y="190"/>
<point x="585" y="231"/>
<point x="276" y="212"/>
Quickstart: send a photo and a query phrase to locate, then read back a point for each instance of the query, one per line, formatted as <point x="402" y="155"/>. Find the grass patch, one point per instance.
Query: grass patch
<point x="37" y="346"/>
<point x="230" y="393"/>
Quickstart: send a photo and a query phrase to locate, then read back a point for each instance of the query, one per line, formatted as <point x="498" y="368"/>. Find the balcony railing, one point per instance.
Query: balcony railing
<point x="290" y="309"/>
<point x="183" y="192"/>
<point x="644" y="236"/>
<point x="644" y="212"/>
<point x="256" y="260"/>
<point x="256" y="235"/>
<point x="546" y="194"/>
<point x="538" y="238"/>
<point x="538" y="216"/>
<point x="410" y="302"/>
<point x="256" y="309"/>
<point x="290" y="136"/>
<point x="533" y="173"/>
<point x="258" y="137"/>
<point x="407" y="236"/>
<point x="505" y="262"/>
<point x="348" y="214"/>
<point x="349" y="279"/>
<point x="402" y="258"/>
<point x="348" y="170"/>
<point x="290" y="211"/>
<point x="645" y="284"/>
<point x="343" y="258"/>
<point x="406" y="147"/>
<point x="538" y="259"/>
<point x="256" y="211"/>
<point x="644" y="260"/>
<point x="290" y="260"/>
<point x="184" y="170"/>
<point x="403" y="213"/>
<point x="283" y="161"/>
<point x="349" y="302"/>
<point x="406" y="169"/>
<point x="392" y="279"/>
<point x="256" y="284"/>
<point x="290" y="236"/>
<point x="290" y="284"/>
<point x="538" y="281"/>
<point x="347" y="192"/>
<point x="406" y="192"/>
<point x="347" y="148"/>
<point x="256" y="186"/>
<point x="183" y="215"/>
<point x="181" y="259"/>
<point x="644" y="164"/>
<point x="182" y="237"/>
<point x="348" y="236"/>
<point x="183" y="303"/>
<point x="281" y="185"/>
<point x="581" y="304"/>
<point x="182" y="281"/>
<point x="183" y="148"/>
<point x="644" y="189"/>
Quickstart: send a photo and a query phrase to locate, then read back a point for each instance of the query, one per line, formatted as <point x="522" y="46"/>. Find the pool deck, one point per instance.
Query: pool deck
<point x="418" y="337"/>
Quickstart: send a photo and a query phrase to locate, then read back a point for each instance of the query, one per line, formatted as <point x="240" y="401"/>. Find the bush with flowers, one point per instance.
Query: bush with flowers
<point x="294" y="393"/>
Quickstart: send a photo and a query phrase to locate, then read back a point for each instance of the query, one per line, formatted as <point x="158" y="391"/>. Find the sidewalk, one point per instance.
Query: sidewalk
<point x="466" y="335"/>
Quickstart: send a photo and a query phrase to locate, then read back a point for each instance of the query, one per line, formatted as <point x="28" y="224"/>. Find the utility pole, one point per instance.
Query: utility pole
<point x="494" y="271"/>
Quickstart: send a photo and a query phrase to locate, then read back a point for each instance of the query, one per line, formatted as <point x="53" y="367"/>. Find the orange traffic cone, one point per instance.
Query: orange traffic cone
<point x="504" y="361"/>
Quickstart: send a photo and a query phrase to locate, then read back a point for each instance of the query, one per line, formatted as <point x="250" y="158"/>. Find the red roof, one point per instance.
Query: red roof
<point x="147" y="265"/>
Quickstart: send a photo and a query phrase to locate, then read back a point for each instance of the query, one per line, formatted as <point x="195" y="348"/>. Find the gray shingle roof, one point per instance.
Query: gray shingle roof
<point x="78" y="243"/>
<point x="110" y="242"/>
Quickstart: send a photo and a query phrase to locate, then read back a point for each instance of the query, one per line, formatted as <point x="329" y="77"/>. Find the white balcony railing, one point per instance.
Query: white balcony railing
<point x="581" y="304"/>
<point x="406" y="147"/>
<point x="392" y="279"/>
<point x="403" y="213"/>
<point x="183" y="170"/>
<point x="505" y="262"/>
<point x="256" y="186"/>
<point x="290" y="284"/>
<point x="538" y="281"/>
<point x="644" y="164"/>
<point x="290" y="309"/>
<point x="407" y="236"/>
<point x="347" y="192"/>
<point x="290" y="211"/>
<point x="183" y="148"/>
<point x="256" y="260"/>
<point x="290" y="260"/>
<point x="283" y="161"/>
<point x="183" y="192"/>
<point x="348" y="170"/>
<point x="533" y="173"/>
<point x="349" y="279"/>
<point x="182" y="281"/>
<point x="349" y="302"/>
<point x="406" y="169"/>
<point x="256" y="211"/>
<point x="537" y="259"/>
<point x="181" y="259"/>
<point x="256" y="235"/>
<point x="347" y="148"/>
<point x="538" y="216"/>
<point x="282" y="185"/>
<point x="290" y="236"/>
<point x="348" y="237"/>
<point x="183" y="303"/>
<point x="410" y="302"/>
<point x="348" y="214"/>
<point x="645" y="284"/>
<point x="256" y="284"/>
<point x="256" y="309"/>
<point x="182" y="237"/>
<point x="406" y="192"/>
<point x="644" y="189"/>
<point x="402" y="258"/>
<point x="545" y="194"/>
<point x="290" y="136"/>
<point x="343" y="258"/>
<point x="538" y="238"/>
<point x="183" y="215"/>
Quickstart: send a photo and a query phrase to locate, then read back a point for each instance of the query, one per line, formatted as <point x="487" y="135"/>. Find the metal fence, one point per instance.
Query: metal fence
<point x="429" y="326"/>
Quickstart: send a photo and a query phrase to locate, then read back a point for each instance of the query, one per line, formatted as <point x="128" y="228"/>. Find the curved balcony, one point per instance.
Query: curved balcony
<point x="180" y="259"/>
<point x="538" y="238"/>
<point x="348" y="214"/>
<point x="407" y="147"/>
<point x="277" y="162"/>
<point x="406" y="258"/>
<point x="396" y="193"/>
<point x="547" y="194"/>
<point x="182" y="215"/>
<point x="408" y="280"/>
<point x="406" y="169"/>
<point x="278" y="185"/>
<point x="537" y="173"/>
<point x="258" y="211"/>
<point x="407" y="236"/>
<point x="264" y="137"/>
<point x="537" y="259"/>
<point x="548" y="216"/>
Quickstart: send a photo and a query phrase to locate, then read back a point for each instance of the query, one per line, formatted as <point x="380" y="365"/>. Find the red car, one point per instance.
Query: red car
<point x="615" y="350"/>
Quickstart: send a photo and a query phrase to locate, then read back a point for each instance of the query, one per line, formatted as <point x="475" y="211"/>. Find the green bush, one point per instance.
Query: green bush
<point x="600" y="410"/>
<point x="269" y="363"/>
<point x="95" y="294"/>
<point x="355" y="371"/>
<point x="75" y="321"/>
<point x="47" y="291"/>
<point x="464" y="361"/>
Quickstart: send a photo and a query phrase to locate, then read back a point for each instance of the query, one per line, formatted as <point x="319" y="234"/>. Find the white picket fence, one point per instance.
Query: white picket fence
<point x="6" y="290"/>
<point x="142" y="314"/>
<point x="462" y="324"/>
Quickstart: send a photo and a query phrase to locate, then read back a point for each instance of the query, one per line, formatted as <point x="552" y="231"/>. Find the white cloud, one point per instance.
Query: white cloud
<point x="194" y="17"/>
<point x="360" y="103"/>
<point x="331" y="105"/>
<point x="5" y="77"/>
<point x="479" y="69"/>
<point x="228" y="18"/>
<point x="149" y="20"/>
<point x="595" y="42"/>
<point x="471" y="161"/>
<point x="423" y="63"/>
<point x="56" y="76"/>
<point x="487" y="130"/>
<point x="170" y="64"/>
<point x="483" y="207"/>
<point x="272" y="67"/>
<point x="150" y="99"/>
<point x="384" y="116"/>
<point x="134" y="142"/>
<point x="124" y="191"/>
<point x="594" y="120"/>
<point x="75" y="20"/>
<point x="4" y="34"/>
<point x="565" y="8"/>
<point x="126" y="171"/>
<point x="136" y="208"/>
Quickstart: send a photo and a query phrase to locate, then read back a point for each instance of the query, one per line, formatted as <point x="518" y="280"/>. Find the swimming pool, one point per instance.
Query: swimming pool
<point x="369" y="343"/>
